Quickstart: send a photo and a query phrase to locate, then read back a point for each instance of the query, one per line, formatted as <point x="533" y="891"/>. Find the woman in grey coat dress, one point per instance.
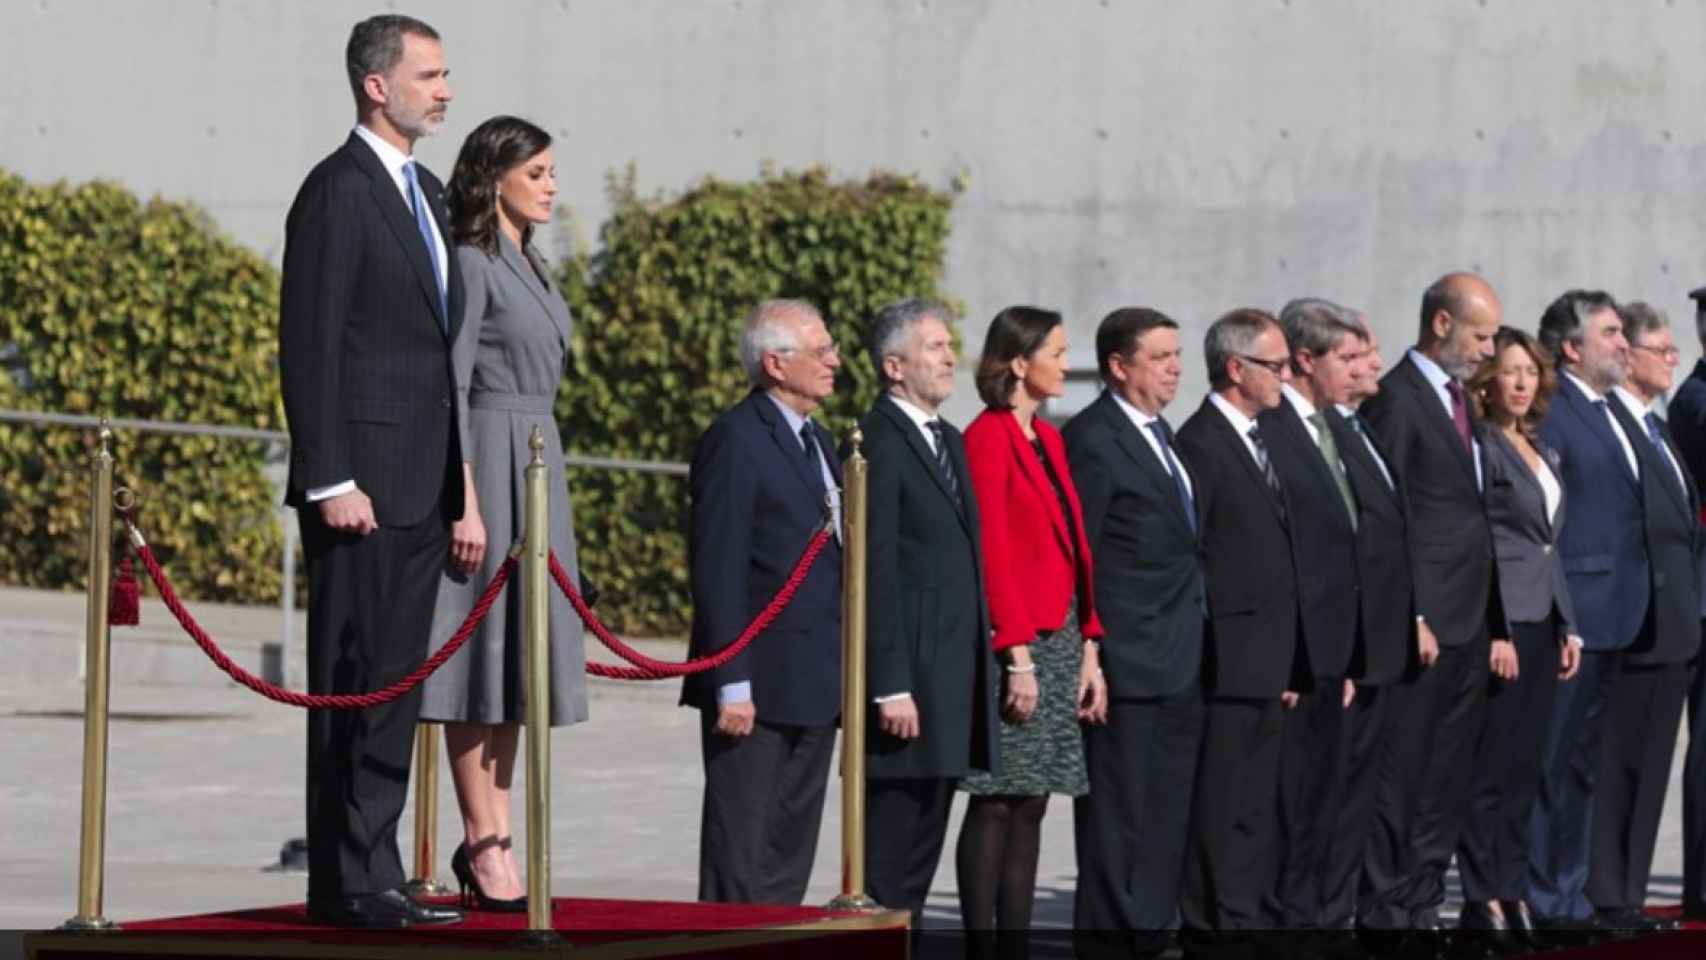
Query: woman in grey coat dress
<point x="509" y="360"/>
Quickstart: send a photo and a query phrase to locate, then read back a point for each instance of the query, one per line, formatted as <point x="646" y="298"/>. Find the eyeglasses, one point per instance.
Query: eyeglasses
<point x="1275" y="367"/>
<point x="820" y="354"/>
<point x="1668" y="353"/>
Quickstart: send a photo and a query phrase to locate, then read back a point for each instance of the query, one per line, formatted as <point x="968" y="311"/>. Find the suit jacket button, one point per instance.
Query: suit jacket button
<point x="444" y="402"/>
<point x="1546" y="549"/>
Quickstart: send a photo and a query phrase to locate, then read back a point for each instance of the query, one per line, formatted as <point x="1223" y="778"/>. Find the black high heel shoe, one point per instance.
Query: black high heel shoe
<point x="472" y="895"/>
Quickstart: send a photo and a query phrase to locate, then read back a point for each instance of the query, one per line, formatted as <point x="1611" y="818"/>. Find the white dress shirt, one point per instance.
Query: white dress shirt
<point x="1640" y="412"/>
<point x="1350" y="415"/>
<point x="1616" y="428"/>
<point x="1304" y="409"/>
<point x="392" y="160"/>
<point x="1142" y="421"/>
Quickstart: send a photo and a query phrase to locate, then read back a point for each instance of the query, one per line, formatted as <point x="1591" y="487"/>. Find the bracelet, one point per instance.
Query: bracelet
<point x="1027" y="668"/>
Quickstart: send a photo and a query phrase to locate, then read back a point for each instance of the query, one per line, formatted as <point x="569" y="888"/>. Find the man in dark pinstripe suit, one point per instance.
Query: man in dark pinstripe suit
<point x="369" y="308"/>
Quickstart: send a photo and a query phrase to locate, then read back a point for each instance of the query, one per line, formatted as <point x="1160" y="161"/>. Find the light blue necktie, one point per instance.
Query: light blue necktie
<point x="423" y="222"/>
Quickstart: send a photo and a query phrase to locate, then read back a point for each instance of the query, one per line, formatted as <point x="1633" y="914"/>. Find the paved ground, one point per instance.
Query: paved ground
<point x="206" y="785"/>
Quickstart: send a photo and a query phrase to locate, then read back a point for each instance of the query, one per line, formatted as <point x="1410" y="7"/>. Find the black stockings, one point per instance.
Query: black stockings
<point x="996" y="861"/>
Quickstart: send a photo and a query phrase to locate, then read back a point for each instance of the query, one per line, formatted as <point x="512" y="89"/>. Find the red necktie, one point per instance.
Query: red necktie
<point x="1460" y="414"/>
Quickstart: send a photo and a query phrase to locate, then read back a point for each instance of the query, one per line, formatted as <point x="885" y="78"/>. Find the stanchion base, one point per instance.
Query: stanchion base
<point x="542" y="940"/>
<point x="81" y="924"/>
<point x="853" y="903"/>
<point x="420" y="887"/>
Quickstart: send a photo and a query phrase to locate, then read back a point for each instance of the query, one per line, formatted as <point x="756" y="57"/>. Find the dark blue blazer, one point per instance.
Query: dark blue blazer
<point x="1686" y="416"/>
<point x="1603" y="540"/>
<point x="755" y="506"/>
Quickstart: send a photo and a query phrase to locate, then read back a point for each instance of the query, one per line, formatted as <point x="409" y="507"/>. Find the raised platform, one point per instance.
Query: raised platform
<point x="590" y="929"/>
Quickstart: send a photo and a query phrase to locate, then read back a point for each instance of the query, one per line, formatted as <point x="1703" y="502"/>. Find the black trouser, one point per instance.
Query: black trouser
<point x="906" y="823"/>
<point x="370" y="602"/>
<point x="1230" y="854"/>
<point x="1362" y="745"/>
<point x="1492" y="857"/>
<point x="1634" y="771"/>
<point x="1311" y="759"/>
<point x="763" y="805"/>
<point x="1129" y="830"/>
<point x="1424" y="796"/>
<point x="1694" y="796"/>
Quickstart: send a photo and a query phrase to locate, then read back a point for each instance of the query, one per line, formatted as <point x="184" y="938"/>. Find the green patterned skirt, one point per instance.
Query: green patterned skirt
<point x="1045" y="754"/>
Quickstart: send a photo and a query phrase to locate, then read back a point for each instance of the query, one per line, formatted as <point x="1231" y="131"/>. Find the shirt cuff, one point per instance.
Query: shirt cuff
<point x="1579" y="643"/>
<point x="326" y="493"/>
<point x="887" y="697"/>
<point x="734" y="693"/>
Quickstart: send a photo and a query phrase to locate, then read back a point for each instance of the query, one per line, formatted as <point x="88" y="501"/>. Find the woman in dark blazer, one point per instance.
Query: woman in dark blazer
<point x="1037" y="580"/>
<point x="1525" y="507"/>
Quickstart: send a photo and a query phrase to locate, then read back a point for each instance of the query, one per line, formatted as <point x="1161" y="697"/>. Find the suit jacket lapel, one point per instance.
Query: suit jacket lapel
<point x="1595" y="421"/>
<point x="1241" y="453"/>
<point x="1693" y="491"/>
<point x="401" y="221"/>
<point x="788" y="444"/>
<point x="1428" y="400"/>
<point x="1353" y="448"/>
<point x="1132" y="442"/>
<point x="915" y="442"/>
<point x="520" y="265"/>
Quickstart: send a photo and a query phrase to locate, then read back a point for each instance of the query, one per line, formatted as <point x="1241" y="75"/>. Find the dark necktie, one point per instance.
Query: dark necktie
<point x="1335" y="464"/>
<point x="1268" y="474"/>
<point x="1159" y="427"/>
<point x="423" y="223"/>
<point x="1357" y="424"/>
<point x="943" y="467"/>
<point x="1658" y="438"/>
<point x="1460" y="415"/>
<point x="812" y="466"/>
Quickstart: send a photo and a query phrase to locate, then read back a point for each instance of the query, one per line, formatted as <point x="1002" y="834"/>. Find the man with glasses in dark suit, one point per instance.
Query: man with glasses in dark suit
<point x="1687" y="420"/>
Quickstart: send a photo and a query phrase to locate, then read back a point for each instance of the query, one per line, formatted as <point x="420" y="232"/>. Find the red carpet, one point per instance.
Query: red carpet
<point x="593" y="929"/>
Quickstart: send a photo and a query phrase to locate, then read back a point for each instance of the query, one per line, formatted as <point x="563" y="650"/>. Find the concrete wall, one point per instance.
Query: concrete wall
<point x="1189" y="156"/>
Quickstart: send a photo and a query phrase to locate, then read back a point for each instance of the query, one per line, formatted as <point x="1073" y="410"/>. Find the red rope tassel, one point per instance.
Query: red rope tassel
<point x="124" y="604"/>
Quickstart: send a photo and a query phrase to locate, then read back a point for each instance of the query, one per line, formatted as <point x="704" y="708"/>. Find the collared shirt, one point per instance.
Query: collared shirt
<point x="1616" y="428"/>
<point x="1438" y="378"/>
<point x="919" y="418"/>
<point x="1142" y="421"/>
<point x="1640" y="412"/>
<point x="1241" y="424"/>
<point x="1304" y="408"/>
<point x="1356" y="422"/>
<point x="392" y="160"/>
<point x="741" y="691"/>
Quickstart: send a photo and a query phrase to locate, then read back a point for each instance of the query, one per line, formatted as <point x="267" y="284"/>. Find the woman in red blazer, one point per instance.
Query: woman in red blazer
<point x="1037" y="581"/>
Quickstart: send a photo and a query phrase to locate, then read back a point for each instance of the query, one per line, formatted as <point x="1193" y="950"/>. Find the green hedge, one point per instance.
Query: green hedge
<point x="656" y="351"/>
<point x="112" y="306"/>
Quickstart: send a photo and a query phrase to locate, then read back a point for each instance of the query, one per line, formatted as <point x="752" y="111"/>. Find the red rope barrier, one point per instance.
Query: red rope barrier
<point x="645" y="668"/>
<point x="337" y="701"/>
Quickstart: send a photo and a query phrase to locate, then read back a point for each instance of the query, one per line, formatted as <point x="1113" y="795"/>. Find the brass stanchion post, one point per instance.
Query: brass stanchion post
<point x="536" y="607"/>
<point x="425" y="881"/>
<point x="91" y="862"/>
<point x="853" y="896"/>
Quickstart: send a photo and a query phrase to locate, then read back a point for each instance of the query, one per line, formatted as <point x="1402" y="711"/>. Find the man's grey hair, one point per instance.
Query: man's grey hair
<point x="1318" y="326"/>
<point x="894" y="324"/>
<point x="767" y="331"/>
<point x="1640" y="319"/>
<point x="376" y="46"/>
<point x="1234" y="334"/>
<point x="1566" y="319"/>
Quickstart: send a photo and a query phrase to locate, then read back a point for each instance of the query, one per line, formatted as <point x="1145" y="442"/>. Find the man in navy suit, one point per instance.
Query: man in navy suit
<point x="369" y="306"/>
<point x="762" y="477"/>
<point x="1605" y="565"/>
<point x="1648" y="691"/>
<point x="1687" y="420"/>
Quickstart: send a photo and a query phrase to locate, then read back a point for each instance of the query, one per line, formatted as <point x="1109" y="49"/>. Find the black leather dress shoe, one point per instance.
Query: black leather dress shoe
<point x="1521" y="922"/>
<point x="1569" y="932"/>
<point x="387" y="910"/>
<point x="1632" y="921"/>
